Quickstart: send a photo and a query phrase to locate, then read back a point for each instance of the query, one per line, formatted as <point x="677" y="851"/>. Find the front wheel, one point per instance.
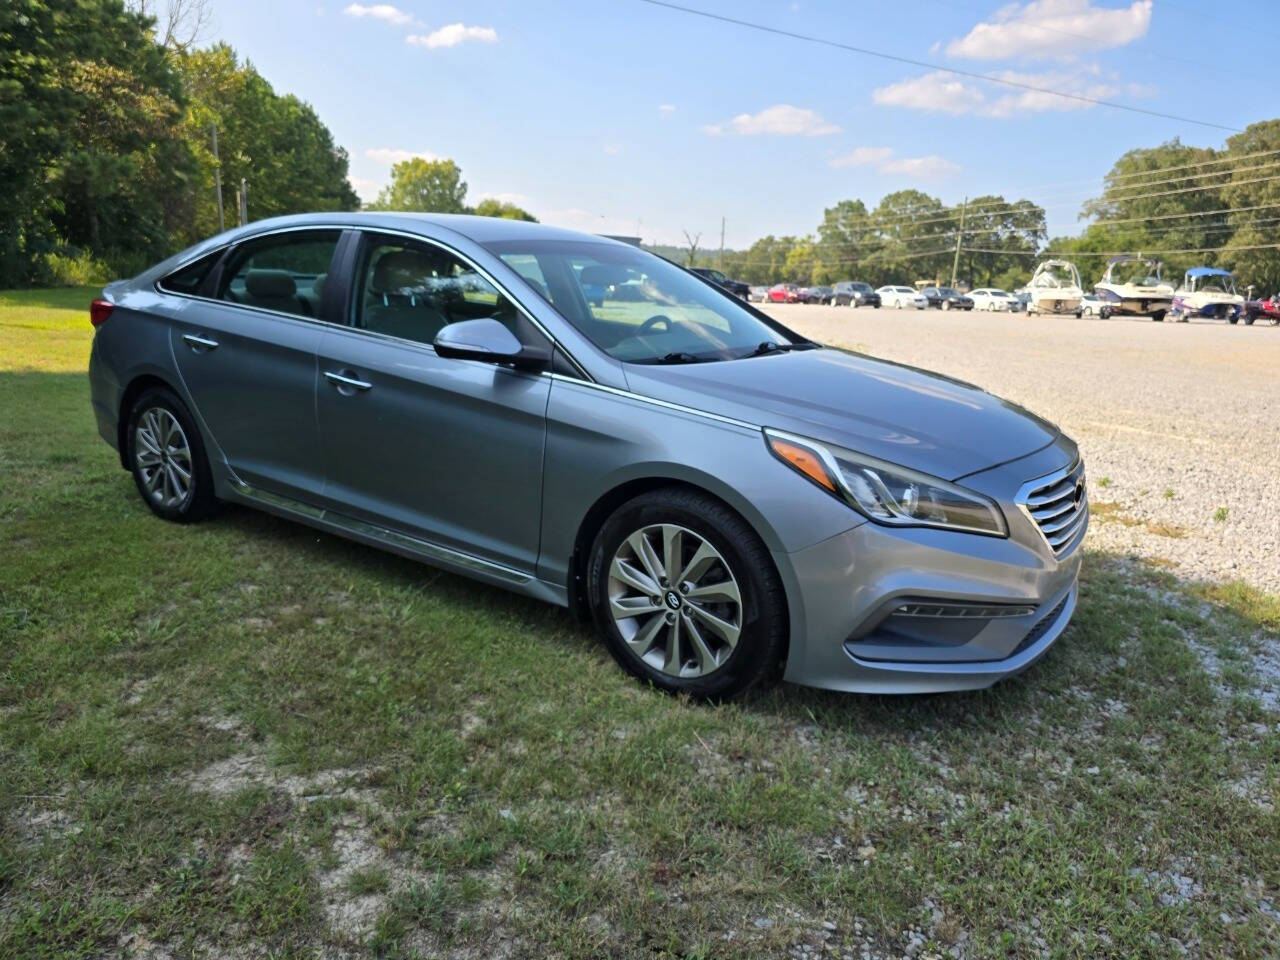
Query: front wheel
<point x="1158" y="316"/>
<point x="167" y="458"/>
<point x="946" y="304"/>
<point x="686" y="596"/>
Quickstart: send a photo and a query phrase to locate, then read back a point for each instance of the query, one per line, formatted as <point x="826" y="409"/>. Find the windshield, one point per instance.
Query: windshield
<point x="1056" y="275"/>
<point x="636" y="307"/>
<point x="861" y="287"/>
<point x="1215" y="283"/>
<point x="1143" y="273"/>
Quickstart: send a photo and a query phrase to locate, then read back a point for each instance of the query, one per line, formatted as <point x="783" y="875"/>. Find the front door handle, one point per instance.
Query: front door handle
<point x="198" y="342"/>
<point x="341" y="381"/>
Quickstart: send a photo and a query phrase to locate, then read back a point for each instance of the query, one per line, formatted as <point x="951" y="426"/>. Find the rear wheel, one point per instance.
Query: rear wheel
<point x="685" y="595"/>
<point x="167" y="458"/>
<point x="946" y="304"/>
<point x="1158" y="316"/>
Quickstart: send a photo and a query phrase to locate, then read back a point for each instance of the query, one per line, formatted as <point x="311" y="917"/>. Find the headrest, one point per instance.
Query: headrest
<point x="317" y="286"/>
<point x="270" y="283"/>
<point x="401" y="270"/>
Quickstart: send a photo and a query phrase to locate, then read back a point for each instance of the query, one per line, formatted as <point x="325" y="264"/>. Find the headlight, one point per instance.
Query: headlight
<point x="887" y="493"/>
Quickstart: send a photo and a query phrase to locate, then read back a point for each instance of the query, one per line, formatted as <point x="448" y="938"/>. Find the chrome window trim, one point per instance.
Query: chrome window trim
<point x="440" y="244"/>
<point x="245" y="306"/>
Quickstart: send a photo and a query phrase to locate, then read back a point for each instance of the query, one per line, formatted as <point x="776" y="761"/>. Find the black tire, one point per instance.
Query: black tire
<point x="762" y="642"/>
<point x="199" y="501"/>
<point x="1248" y="319"/>
<point x="1158" y="316"/>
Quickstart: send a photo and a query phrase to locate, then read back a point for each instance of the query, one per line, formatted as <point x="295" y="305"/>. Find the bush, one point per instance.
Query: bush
<point x="68" y="267"/>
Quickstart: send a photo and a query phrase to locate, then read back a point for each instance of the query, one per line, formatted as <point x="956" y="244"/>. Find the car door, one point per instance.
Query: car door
<point x="247" y="357"/>
<point x="445" y="450"/>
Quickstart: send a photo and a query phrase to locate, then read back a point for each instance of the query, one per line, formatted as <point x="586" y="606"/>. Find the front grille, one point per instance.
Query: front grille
<point x="1059" y="505"/>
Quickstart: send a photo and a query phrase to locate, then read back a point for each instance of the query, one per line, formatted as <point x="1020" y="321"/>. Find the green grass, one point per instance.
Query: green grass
<point x="247" y="738"/>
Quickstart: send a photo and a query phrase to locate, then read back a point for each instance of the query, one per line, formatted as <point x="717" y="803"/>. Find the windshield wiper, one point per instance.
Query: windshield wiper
<point x="768" y="346"/>
<point x="679" y="356"/>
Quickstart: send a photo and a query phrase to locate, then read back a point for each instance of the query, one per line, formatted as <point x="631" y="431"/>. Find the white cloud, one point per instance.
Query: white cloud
<point x="884" y="160"/>
<point x="666" y="108"/>
<point x="783" y="120"/>
<point x="379" y="11"/>
<point x="452" y="35"/>
<point x="1053" y="29"/>
<point x="941" y="92"/>
<point x="390" y="155"/>
<point x="365" y="188"/>
<point x="612" y="149"/>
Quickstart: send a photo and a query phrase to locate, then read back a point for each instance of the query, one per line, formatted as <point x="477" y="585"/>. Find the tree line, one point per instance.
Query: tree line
<point x="106" y="142"/>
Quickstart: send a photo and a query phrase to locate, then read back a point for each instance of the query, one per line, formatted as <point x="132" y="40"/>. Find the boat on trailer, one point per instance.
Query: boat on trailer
<point x="1134" y="287"/>
<point x="1055" y="288"/>
<point x="1208" y="292"/>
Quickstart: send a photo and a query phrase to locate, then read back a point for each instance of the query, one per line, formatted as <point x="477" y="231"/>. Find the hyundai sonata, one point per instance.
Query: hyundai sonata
<point x="574" y="419"/>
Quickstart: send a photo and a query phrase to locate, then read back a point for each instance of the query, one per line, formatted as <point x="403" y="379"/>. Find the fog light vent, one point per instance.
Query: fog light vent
<point x="960" y="611"/>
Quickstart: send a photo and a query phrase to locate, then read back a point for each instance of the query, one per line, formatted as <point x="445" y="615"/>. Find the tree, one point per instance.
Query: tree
<point x="178" y="24"/>
<point x="490" y="207"/>
<point x="845" y="236"/>
<point x="1251" y="252"/>
<point x="1000" y="240"/>
<point x="692" y="241"/>
<point x="276" y="143"/>
<point x="420" y="184"/>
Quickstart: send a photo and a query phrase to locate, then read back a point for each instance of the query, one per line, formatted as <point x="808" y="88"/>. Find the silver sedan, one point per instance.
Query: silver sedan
<point x="576" y="420"/>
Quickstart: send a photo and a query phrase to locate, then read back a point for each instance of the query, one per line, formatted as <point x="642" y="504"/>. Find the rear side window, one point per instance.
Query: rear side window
<point x="191" y="278"/>
<point x="285" y="272"/>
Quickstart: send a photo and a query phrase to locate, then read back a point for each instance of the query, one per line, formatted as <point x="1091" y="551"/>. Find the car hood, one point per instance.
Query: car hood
<point x="907" y="416"/>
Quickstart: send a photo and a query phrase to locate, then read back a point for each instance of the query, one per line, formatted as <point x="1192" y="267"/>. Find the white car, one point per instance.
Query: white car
<point x="1092" y="305"/>
<point x="899" y="297"/>
<point x="989" y="298"/>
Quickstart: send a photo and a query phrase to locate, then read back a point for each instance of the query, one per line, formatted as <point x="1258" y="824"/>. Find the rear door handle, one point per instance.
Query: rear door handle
<point x="351" y="383"/>
<point x="198" y="342"/>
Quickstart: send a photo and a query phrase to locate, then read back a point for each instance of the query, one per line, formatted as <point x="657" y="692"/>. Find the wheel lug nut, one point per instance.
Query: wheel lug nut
<point x="671" y="618"/>
<point x="656" y="601"/>
<point x="684" y="588"/>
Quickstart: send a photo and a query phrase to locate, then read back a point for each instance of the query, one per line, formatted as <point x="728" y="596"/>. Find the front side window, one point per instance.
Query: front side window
<point x="639" y="308"/>
<point x="412" y="290"/>
<point x="285" y="272"/>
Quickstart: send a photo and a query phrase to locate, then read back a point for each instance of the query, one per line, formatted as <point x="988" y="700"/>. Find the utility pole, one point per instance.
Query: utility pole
<point x="242" y="197"/>
<point x="955" y="263"/>
<point x="217" y="175"/>
<point x="722" y="243"/>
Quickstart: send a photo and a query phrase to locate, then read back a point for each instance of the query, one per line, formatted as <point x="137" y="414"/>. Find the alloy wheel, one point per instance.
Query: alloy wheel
<point x="163" y="456"/>
<point x="675" y="600"/>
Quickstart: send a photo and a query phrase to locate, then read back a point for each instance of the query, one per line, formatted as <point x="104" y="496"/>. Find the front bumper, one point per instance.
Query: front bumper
<point x="862" y="601"/>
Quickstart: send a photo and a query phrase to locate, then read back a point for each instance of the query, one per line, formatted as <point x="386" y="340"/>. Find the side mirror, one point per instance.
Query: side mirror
<point x="489" y="341"/>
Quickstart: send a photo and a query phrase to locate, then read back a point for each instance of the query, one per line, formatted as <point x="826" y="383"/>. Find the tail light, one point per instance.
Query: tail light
<point x="99" y="311"/>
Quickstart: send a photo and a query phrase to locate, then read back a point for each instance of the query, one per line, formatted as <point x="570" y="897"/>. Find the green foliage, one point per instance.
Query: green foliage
<point x="104" y="142"/>
<point x="499" y="208"/>
<point x="66" y="268"/>
<point x="275" y="142"/>
<point x="423" y="185"/>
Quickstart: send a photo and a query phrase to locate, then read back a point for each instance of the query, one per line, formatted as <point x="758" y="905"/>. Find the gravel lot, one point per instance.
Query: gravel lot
<point x="1179" y="423"/>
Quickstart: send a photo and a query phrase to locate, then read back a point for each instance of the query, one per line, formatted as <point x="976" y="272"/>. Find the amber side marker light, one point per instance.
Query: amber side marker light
<point x="802" y="459"/>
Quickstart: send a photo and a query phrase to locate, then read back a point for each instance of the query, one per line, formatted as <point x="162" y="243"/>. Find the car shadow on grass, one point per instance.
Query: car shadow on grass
<point x="1132" y="616"/>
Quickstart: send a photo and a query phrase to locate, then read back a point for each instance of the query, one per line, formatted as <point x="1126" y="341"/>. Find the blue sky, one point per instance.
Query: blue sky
<point x="618" y="116"/>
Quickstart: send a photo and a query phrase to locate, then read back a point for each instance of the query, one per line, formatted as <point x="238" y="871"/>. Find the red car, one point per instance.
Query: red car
<point x="784" y="293"/>
<point x="1266" y="309"/>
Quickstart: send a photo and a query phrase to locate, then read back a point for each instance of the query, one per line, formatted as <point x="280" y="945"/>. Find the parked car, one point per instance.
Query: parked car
<point x="758" y="294"/>
<point x="855" y="293"/>
<point x="719" y="499"/>
<point x="821" y="294"/>
<point x="944" y="298"/>
<point x="736" y="287"/>
<point x="1023" y="296"/>
<point x="1267" y="309"/>
<point x="993" y="299"/>
<point x="785" y="293"/>
<point x="900" y="297"/>
<point x="1092" y="305"/>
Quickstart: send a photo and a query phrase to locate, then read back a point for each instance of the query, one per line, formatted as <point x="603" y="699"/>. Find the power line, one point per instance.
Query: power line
<point x="933" y="66"/>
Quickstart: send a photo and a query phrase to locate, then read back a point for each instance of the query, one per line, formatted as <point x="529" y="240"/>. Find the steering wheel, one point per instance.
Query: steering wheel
<point x="652" y="322"/>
